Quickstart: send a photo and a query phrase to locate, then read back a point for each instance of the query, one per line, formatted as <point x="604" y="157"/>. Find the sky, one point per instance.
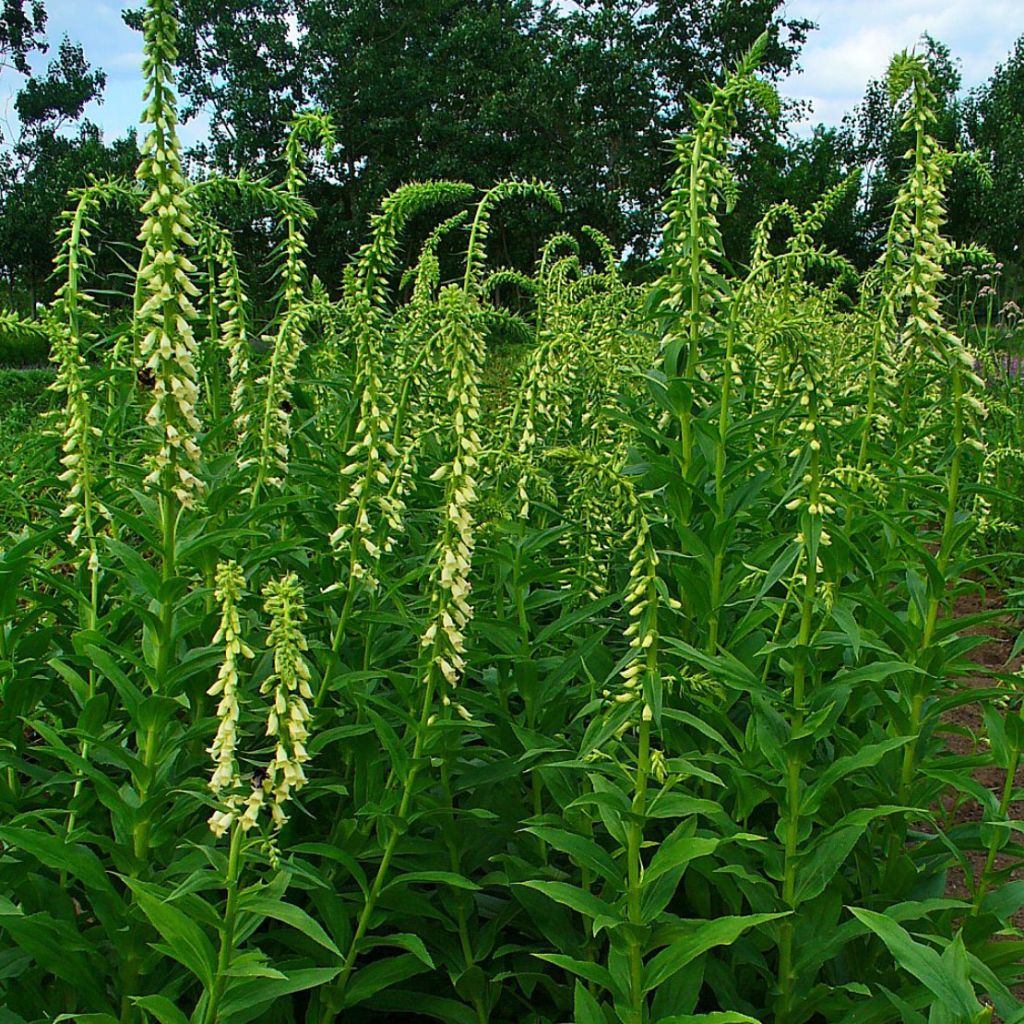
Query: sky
<point x="856" y="38"/>
<point x="109" y="44"/>
<point x="852" y="45"/>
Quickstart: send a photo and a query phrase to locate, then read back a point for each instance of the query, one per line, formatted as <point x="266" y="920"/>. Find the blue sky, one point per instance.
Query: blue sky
<point x="856" y="38"/>
<point x="108" y="44"/>
<point x="852" y="45"/>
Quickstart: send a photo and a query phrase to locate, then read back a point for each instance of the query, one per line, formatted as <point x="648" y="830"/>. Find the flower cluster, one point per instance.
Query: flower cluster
<point x="276" y="385"/>
<point x="309" y="126"/>
<point x="702" y="184"/>
<point x="78" y="457"/>
<point x="296" y="313"/>
<point x="815" y="501"/>
<point x="444" y="637"/>
<point x="168" y="345"/>
<point x="288" y="718"/>
<point x="641" y="601"/>
<point x="368" y="466"/>
<point x="235" y="333"/>
<point x="1010" y="315"/>
<point x="376" y="490"/>
<point x="70" y="325"/>
<point x="226" y="782"/>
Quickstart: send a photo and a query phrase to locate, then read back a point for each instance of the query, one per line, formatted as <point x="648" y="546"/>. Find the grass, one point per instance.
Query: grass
<point x="25" y="399"/>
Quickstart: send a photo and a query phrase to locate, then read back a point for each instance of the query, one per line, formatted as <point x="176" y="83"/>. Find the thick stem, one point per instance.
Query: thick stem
<point x="227" y="934"/>
<point x="935" y="598"/>
<point x="995" y="842"/>
<point x="635" y="872"/>
<point x="720" y="458"/>
<point x="336" y="993"/>
<point x="794" y="764"/>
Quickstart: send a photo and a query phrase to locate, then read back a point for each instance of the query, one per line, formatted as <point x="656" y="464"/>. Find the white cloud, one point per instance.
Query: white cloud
<point x="856" y="38"/>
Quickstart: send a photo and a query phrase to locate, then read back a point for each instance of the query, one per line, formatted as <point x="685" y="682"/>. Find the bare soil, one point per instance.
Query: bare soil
<point x="993" y="656"/>
<point x="966" y="737"/>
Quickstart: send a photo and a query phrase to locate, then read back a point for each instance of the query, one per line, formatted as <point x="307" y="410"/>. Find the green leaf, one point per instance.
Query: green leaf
<point x="576" y="899"/>
<point x="876" y="672"/>
<point x="401" y="940"/>
<point x="140" y="572"/>
<point x="88" y="1018"/>
<point x="56" y="853"/>
<point x="289" y="914"/>
<point x="865" y="757"/>
<point x="448" y="1011"/>
<point x="59" y="949"/>
<point x="185" y="940"/>
<point x="571" y="619"/>
<point x="846" y="622"/>
<point x="722" y="932"/>
<point x="161" y="1008"/>
<point x="824" y="860"/>
<point x="380" y="975"/>
<point x="676" y="853"/>
<point x="710" y="1018"/>
<point x="246" y="994"/>
<point x="130" y="694"/>
<point x="586" y="1009"/>
<point x="585" y="969"/>
<point x="76" y="683"/>
<point x="921" y="961"/>
<point x="584" y="851"/>
<point x="442" y="877"/>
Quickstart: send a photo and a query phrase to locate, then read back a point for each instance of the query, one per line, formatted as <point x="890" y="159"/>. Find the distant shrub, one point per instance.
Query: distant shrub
<point x="22" y="343"/>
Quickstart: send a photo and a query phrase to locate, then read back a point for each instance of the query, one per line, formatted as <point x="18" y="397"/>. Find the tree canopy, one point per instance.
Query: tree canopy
<point x="587" y="95"/>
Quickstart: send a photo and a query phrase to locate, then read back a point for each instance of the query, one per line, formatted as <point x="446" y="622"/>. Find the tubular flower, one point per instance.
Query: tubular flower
<point x="235" y="336"/>
<point x="276" y="383"/>
<point x="289" y="689"/>
<point x="78" y="442"/>
<point x="641" y="598"/>
<point x="168" y="346"/>
<point x="369" y="461"/>
<point x="445" y="635"/>
<point x="641" y="601"/>
<point x="225" y="782"/>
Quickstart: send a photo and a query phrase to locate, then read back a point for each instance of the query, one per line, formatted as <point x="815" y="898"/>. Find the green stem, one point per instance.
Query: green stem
<point x="455" y="863"/>
<point x="169" y="510"/>
<point x="634" y="862"/>
<point x="227" y="934"/>
<point x="935" y="598"/>
<point x="997" y="833"/>
<point x="336" y="993"/>
<point x="720" y="458"/>
<point x="794" y="764"/>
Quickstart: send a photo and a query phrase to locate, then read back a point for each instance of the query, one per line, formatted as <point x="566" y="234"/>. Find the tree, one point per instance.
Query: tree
<point x="46" y="104"/>
<point x="21" y="33"/>
<point x="585" y="95"/>
<point x="47" y="160"/>
<point x="994" y="121"/>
